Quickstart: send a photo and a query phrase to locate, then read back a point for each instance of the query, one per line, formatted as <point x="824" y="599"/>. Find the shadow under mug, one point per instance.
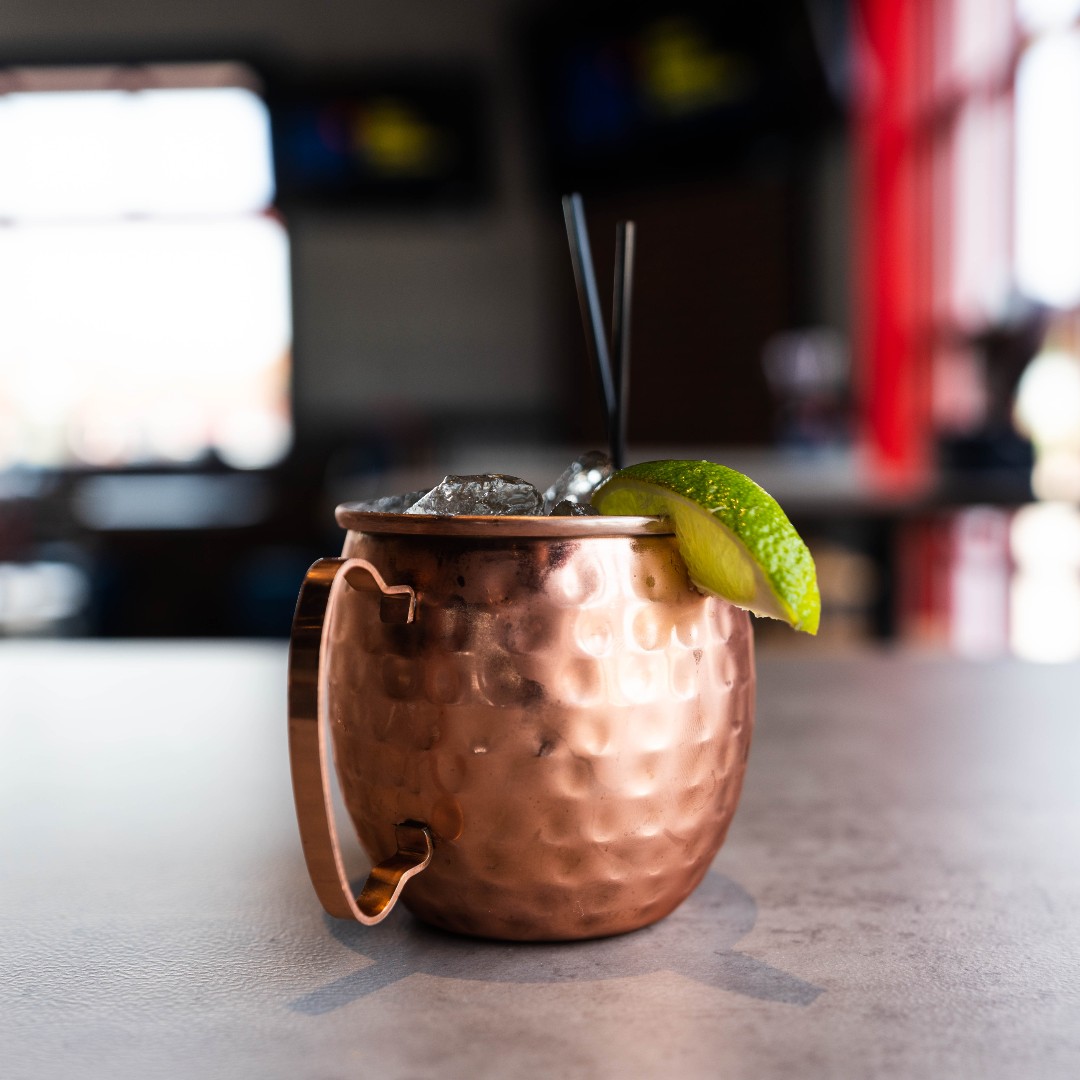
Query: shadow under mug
<point x="539" y="725"/>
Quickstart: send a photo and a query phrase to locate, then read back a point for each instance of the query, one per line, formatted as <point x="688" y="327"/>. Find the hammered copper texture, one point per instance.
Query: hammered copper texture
<point x="568" y="715"/>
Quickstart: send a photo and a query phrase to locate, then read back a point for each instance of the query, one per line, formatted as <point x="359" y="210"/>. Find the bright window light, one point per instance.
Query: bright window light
<point x="204" y="152"/>
<point x="145" y="297"/>
<point x="1048" y="171"/>
<point x="1046" y="587"/>
<point x="979" y="582"/>
<point x="1048" y="398"/>
<point x="61" y="153"/>
<point x="980" y="271"/>
<point x="980" y="37"/>
<point x="131" y="342"/>
<point x="1046" y="14"/>
<point x="109" y="153"/>
<point x="1047" y="410"/>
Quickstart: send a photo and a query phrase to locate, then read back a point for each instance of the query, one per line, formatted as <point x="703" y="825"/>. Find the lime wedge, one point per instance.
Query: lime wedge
<point x="735" y="539"/>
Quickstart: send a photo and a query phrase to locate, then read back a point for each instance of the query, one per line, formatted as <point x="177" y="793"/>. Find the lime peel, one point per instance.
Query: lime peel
<point x="735" y="539"/>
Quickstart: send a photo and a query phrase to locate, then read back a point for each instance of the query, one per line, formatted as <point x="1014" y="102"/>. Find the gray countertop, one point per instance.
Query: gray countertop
<point x="899" y="895"/>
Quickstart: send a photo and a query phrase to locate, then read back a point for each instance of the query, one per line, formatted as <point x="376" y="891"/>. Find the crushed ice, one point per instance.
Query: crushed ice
<point x="492" y="493"/>
<point x="579" y="480"/>
<point x="573" y="509"/>
<point x="391" y="504"/>
<point x="496" y="493"/>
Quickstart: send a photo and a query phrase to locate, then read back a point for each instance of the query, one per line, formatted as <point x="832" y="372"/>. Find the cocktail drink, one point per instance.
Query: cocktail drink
<point x="540" y="723"/>
<point x="541" y="705"/>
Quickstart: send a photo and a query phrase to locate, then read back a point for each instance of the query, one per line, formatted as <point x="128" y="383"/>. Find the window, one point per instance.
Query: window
<point x="969" y="147"/>
<point x="969" y="141"/>
<point x="145" y="304"/>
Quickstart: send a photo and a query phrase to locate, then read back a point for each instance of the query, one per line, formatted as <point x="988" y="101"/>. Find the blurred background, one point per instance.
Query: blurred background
<point x="259" y="259"/>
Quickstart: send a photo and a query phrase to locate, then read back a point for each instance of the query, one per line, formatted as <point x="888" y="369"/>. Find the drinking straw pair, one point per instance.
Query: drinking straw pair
<point x="614" y="381"/>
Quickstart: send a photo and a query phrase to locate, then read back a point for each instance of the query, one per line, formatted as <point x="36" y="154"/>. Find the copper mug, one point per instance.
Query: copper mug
<point x="540" y="727"/>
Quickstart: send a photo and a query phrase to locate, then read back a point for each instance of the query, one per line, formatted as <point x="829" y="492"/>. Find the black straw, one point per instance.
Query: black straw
<point x="620" y="334"/>
<point x="589" y="301"/>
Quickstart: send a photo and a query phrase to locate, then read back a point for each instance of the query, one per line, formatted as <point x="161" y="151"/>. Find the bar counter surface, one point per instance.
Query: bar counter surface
<point x="899" y="895"/>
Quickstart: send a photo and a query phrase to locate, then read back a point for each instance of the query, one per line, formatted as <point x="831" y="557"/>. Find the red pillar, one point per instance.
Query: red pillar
<point x="893" y="204"/>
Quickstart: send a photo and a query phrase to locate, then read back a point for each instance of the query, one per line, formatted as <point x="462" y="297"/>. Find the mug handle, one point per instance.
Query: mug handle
<point x="308" y="752"/>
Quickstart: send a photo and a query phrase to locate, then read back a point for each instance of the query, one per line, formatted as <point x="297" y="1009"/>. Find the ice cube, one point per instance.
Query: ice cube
<point x="492" y="493"/>
<point x="390" y="504"/>
<point x="572" y="509"/>
<point x="579" y="480"/>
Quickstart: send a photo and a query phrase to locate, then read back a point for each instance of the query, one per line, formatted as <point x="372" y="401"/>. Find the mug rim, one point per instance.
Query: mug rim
<point x="350" y="516"/>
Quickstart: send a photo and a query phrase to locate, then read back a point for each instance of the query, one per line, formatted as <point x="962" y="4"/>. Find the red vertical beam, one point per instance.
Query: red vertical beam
<point x="893" y="207"/>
